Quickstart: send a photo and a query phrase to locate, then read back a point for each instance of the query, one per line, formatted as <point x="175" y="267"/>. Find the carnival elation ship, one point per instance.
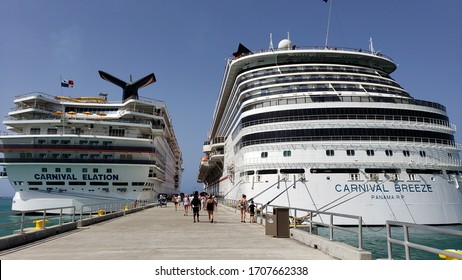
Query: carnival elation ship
<point x="329" y="129"/>
<point x="74" y="151"/>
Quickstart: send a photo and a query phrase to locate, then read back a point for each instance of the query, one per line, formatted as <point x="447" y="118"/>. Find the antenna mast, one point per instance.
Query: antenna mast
<point x="271" y="42"/>
<point x="328" y="21"/>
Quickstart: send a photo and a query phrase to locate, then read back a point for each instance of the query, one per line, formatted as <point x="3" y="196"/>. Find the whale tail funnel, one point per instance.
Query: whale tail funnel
<point x="130" y="90"/>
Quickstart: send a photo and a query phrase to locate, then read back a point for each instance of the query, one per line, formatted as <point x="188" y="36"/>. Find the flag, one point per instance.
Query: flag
<point x="67" y="83"/>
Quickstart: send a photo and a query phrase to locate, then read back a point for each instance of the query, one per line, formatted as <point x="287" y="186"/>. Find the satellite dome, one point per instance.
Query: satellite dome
<point x="284" y="44"/>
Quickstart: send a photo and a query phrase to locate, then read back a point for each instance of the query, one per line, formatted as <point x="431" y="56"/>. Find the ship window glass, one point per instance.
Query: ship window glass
<point x="330" y="153"/>
<point x="57" y="169"/>
<point x="83" y="142"/>
<point x="65" y="142"/>
<point x="354" y="176"/>
<point x="42" y="155"/>
<point x="137" y="184"/>
<point x="389" y="153"/>
<point x="449" y="155"/>
<point x="41" y="141"/>
<point x="412" y="177"/>
<point x="423" y="154"/>
<point x="66" y="156"/>
<point x="34" y="130"/>
<point x="250" y="172"/>
<point x="95" y="170"/>
<point x="109" y="170"/>
<point x="68" y="170"/>
<point x="370" y="153"/>
<point x="264" y="154"/>
<point x="287" y="153"/>
<point x="350" y="153"/>
<point x="84" y="156"/>
<point x="35" y="183"/>
<point x="54" y="142"/>
<point x="406" y="153"/>
<point x="267" y="171"/>
<point x="44" y="170"/>
<point x="120" y="184"/>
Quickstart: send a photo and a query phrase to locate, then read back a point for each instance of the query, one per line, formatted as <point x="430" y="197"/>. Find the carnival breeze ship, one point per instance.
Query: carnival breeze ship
<point x="328" y="129"/>
<point x="78" y="151"/>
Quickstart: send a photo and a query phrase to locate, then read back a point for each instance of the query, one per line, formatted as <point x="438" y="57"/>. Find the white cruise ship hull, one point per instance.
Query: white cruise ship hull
<point x="328" y="129"/>
<point x="78" y="151"/>
<point x="428" y="200"/>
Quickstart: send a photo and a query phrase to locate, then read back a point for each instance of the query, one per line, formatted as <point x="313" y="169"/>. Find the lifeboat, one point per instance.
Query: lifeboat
<point x="88" y="113"/>
<point x="57" y="112"/>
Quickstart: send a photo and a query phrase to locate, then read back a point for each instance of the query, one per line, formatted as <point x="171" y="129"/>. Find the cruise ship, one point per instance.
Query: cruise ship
<point x="73" y="151"/>
<point x="328" y="129"/>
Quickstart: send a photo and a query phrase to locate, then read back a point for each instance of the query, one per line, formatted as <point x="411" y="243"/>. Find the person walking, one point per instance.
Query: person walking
<point x="196" y="206"/>
<point x="243" y="206"/>
<point x="252" y="211"/>
<point x="186" y="205"/>
<point x="176" y="201"/>
<point x="210" y="205"/>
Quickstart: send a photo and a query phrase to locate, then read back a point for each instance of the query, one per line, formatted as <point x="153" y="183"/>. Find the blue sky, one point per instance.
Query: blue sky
<point x="186" y="43"/>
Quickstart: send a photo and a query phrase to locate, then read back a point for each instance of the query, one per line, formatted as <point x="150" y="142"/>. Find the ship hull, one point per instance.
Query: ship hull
<point x="430" y="200"/>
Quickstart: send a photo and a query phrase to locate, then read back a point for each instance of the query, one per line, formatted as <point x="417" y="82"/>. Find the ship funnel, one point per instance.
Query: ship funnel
<point x="130" y="90"/>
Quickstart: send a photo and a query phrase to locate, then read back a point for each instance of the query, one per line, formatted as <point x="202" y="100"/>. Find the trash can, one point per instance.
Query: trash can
<point x="282" y="222"/>
<point x="270" y="225"/>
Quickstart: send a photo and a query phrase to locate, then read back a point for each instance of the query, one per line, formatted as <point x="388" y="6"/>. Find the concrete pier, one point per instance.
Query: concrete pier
<point x="161" y="233"/>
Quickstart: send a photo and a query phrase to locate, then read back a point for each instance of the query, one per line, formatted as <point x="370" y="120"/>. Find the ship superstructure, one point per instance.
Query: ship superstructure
<point x="74" y="151"/>
<point x="329" y="129"/>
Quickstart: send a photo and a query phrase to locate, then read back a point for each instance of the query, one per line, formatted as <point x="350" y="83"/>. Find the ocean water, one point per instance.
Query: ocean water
<point x="374" y="238"/>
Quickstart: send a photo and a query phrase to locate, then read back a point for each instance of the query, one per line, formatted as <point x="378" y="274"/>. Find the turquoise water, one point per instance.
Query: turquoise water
<point x="374" y="238"/>
<point x="375" y="241"/>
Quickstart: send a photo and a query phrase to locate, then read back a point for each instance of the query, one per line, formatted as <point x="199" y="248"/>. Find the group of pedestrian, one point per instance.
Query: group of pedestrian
<point x="196" y="202"/>
<point x="209" y="203"/>
<point x="244" y="206"/>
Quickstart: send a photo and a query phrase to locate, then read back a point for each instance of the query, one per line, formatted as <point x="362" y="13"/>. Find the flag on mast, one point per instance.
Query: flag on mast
<point x="67" y="83"/>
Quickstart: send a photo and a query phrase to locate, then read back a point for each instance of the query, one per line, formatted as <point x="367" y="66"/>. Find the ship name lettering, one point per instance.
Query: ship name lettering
<point x="51" y="177"/>
<point x="413" y="188"/>
<point x="100" y="177"/>
<point x="361" y="188"/>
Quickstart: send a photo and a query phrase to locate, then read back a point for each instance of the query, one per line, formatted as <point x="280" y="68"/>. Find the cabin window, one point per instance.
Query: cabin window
<point x="52" y="131"/>
<point x="34" y="130"/>
<point x="350" y="153"/>
<point x="330" y="153"/>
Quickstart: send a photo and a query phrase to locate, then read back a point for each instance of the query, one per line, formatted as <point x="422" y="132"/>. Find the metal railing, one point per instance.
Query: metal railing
<point x="408" y="244"/>
<point x="53" y="216"/>
<point x="47" y="217"/>
<point x="312" y="219"/>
